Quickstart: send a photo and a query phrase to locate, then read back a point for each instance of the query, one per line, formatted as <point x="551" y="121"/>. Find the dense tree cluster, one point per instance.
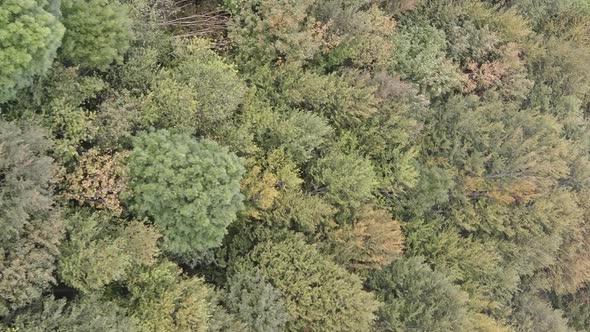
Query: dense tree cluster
<point x="282" y="165"/>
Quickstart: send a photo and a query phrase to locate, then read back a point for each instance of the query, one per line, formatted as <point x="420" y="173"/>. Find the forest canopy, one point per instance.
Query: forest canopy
<point x="298" y="166"/>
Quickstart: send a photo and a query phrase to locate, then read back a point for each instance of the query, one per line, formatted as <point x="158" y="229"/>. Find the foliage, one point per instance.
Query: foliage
<point x="333" y="32"/>
<point x="99" y="252"/>
<point x="200" y="90"/>
<point x="189" y="188"/>
<point x="299" y="133"/>
<point x="419" y="56"/>
<point x="30" y="34"/>
<point x="256" y="302"/>
<point x="346" y="180"/>
<point x="163" y="300"/>
<point x="372" y="242"/>
<point x="31" y="230"/>
<point x="575" y="308"/>
<point x="116" y="120"/>
<point x="88" y="314"/>
<point x="301" y="212"/>
<point x="345" y="99"/>
<point x="416" y="297"/>
<point x="58" y="102"/>
<point x="535" y="314"/>
<point x="295" y="162"/>
<point x="98" y="32"/>
<point x="318" y="294"/>
<point x="98" y="180"/>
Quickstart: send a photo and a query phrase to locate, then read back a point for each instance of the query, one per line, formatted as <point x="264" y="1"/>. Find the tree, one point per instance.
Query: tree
<point x="31" y="229"/>
<point x="60" y="101"/>
<point x="198" y="90"/>
<point x="299" y="133"/>
<point x="318" y="294"/>
<point x="301" y="212"/>
<point x="85" y="314"/>
<point x="575" y="307"/>
<point x="373" y="241"/>
<point x="30" y="34"/>
<point x="419" y="56"/>
<point x="98" y="32"/>
<point x="256" y="302"/>
<point x="101" y="250"/>
<point x="417" y="298"/>
<point x="345" y="99"/>
<point x="535" y="314"/>
<point x="346" y="180"/>
<point x="98" y="180"/>
<point x="161" y="299"/>
<point x="189" y="188"/>
<point x="326" y="32"/>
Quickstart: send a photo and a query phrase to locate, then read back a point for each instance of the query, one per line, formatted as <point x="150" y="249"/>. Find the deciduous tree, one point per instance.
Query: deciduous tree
<point x="98" y="32"/>
<point x="30" y="33"/>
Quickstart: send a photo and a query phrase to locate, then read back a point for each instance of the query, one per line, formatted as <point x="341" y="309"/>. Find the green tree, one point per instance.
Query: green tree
<point x="31" y="230"/>
<point x="533" y="313"/>
<point x="419" y="56"/>
<point x="326" y="32"/>
<point x="189" y="188"/>
<point x="318" y="294"/>
<point x="256" y="302"/>
<point x="85" y="314"/>
<point x="301" y="212"/>
<point x="199" y="90"/>
<point x="60" y="102"/>
<point x="30" y="34"/>
<point x="99" y="252"/>
<point x="346" y="180"/>
<point x="299" y="133"/>
<point x="161" y="299"/>
<point x="346" y="99"/>
<point x="98" y="32"/>
<point x="417" y="298"/>
<point x="575" y="307"/>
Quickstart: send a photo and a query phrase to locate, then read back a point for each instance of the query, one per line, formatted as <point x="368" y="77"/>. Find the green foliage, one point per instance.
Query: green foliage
<point x="419" y="56"/>
<point x="256" y="302"/>
<point x="87" y="314"/>
<point x="301" y="212"/>
<point x="318" y="294"/>
<point x="475" y="264"/>
<point x="189" y="188"/>
<point x="575" y="307"/>
<point x="346" y="180"/>
<point x="439" y="149"/>
<point x="299" y="133"/>
<point x="535" y="314"/>
<point x="59" y="102"/>
<point x="388" y="139"/>
<point x="163" y="300"/>
<point x="257" y="23"/>
<point x="31" y="230"/>
<point x="116" y="120"/>
<point x="345" y="99"/>
<point x="98" y="32"/>
<point x="417" y="298"/>
<point x="99" y="252"/>
<point x="329" y="32"/>
<point x="198" y="91"/>
<point x="30" y="34"/>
